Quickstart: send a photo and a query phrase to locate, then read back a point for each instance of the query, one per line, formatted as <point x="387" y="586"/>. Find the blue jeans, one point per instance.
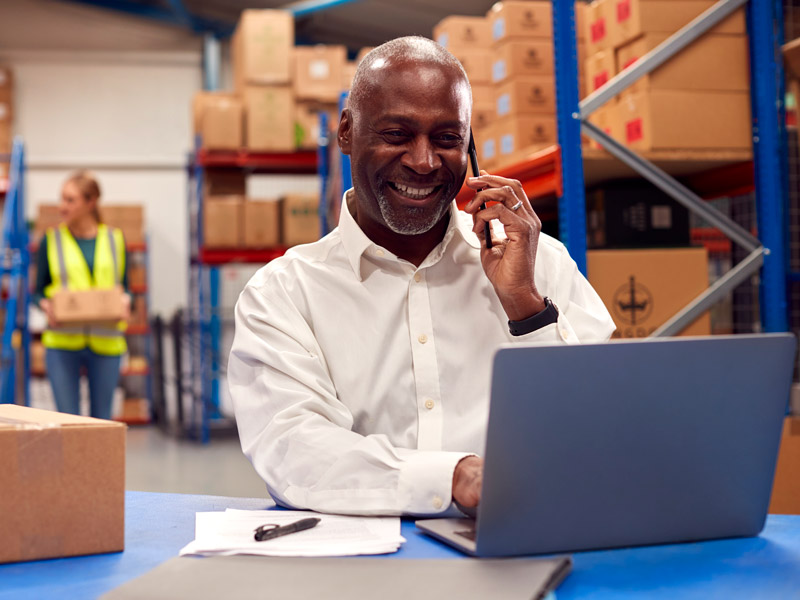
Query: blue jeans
<point x="64" y="371"/>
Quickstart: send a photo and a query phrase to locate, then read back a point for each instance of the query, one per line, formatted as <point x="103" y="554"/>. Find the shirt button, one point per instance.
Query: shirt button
<point x="422" y="338"/>
<point x="564" y="334"/>
<point x="417" y="277"/>
<point x="379" y="252"/>
<point x="437" y="502"/>
<point x="429" y="404"/>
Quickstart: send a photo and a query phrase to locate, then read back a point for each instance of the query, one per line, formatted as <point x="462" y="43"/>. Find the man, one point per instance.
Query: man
<point x="360" y="366"/>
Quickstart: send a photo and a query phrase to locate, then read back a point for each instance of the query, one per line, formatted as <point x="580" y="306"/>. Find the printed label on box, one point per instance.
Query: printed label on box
<point x="443" y="39"/>
<point x="499" y="70"/>
<point x="488" y="149"/>
<point x="319" y="69"/>
<point x="623" y="10"/>
<point x="661" y="217"/>
<point x="507" y="144"/>
<point x="633" y="130"/>
<point x="598" y="30"/>
<point x="600" y="79"/>
<point x="504" y="105"/>
<point x="629" y="62"/>
<point x="499" y="28"/>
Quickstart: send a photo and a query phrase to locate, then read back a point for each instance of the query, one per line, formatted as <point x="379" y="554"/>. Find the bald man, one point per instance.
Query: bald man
<point x="360" y="365"/>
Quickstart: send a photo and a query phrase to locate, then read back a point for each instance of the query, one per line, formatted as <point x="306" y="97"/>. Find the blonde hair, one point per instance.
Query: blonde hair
<point x="89" y="188"/>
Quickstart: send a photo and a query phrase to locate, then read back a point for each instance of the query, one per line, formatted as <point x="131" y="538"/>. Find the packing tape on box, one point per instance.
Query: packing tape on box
<point x="40" y="448"/>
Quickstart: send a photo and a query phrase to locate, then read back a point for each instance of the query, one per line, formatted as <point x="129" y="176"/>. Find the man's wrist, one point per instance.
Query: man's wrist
<point x="541" y="319"/>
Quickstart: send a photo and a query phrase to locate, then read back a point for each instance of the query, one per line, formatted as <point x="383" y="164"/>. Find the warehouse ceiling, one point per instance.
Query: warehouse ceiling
<point x="354" y="23"/>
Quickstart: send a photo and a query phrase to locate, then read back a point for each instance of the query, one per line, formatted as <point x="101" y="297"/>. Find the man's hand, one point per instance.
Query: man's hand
<point x="467" y="479"/>
<point x="47" y="306"/>
<point x="509" y="264"/>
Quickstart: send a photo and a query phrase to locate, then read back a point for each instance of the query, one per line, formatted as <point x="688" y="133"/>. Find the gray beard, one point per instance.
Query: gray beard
<point x="411" y="220"/>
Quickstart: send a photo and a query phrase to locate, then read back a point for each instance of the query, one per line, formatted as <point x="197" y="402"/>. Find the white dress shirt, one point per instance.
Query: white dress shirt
<point x="359" y="381"/>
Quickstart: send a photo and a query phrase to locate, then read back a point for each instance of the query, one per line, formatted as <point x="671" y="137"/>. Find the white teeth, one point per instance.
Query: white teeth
<point x="413" y="192"/>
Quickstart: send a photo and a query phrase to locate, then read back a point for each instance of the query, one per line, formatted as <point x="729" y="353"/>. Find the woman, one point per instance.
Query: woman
<point x="82" y="253"/>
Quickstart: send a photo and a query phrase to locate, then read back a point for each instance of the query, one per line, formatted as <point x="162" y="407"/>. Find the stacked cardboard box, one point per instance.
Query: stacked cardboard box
<point x="697" y="100"/>
<point x="6" y="89"/>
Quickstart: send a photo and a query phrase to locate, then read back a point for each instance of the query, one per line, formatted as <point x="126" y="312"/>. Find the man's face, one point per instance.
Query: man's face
<point x="408" y="146"/>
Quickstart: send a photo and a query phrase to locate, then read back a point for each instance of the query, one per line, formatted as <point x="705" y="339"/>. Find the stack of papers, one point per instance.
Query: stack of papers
<point x="231" y="532"/>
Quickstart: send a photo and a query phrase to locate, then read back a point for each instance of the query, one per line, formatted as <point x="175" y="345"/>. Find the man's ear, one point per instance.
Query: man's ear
<point x="345" y="133"/>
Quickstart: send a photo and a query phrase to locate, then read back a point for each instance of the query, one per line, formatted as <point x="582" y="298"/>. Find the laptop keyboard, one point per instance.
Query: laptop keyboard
<point x="467" y="533"/>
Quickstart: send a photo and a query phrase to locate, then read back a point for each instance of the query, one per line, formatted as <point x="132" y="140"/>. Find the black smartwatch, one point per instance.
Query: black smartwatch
<point x="537" y="321"/>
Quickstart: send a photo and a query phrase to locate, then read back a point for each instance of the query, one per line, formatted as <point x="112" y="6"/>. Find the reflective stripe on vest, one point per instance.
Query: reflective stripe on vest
<point x="69" y="270"/>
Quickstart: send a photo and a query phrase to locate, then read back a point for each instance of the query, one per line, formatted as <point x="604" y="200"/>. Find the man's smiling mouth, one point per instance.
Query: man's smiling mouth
<point x="413" y="193"/>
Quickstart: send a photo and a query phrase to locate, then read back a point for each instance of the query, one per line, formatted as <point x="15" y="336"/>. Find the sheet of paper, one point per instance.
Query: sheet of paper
<point x="231" y="532"/>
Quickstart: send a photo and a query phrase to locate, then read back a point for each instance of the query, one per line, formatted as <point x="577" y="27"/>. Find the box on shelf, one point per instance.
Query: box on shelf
<point x="348" y="74"/>
<point x="48" y="216"/>
<point x="521" y="19"/>
<point x="486" y="146"/>
<point x="599" y="68"/>
<point x="262" y="220"/>
<point x="713" y="62"/>
<point x="631" y="214"/>
<point x="463" y="32"/>
<point x="217" y="118"/>
<point x="581" y="10"/>
<point x="300" y="219"/>
<point x="596" y="23"/>
<point x="134" y="409"/>
<point x="269" y="118"/>
<point x="318" y="72"/>
<point x="138" y="312"/>
<point x="600" y="118"/>
<point x="669" y="120"/>
<point x="522" y="58"/>
<point x="786" y="487"/>
<point x="137" y="276"/>
<point x="526" y="96"/>
<point x="127" y="217"/>
<point x="631" y="18"/>
<point x="476" y="62"/>
<point x="261" y="48"/>
<point x="6" y="138"/>
<point x="63" y="484"/>
<point x="482" y="117"/>
<point x="644" y="288"/>
<point x="307" y="122"/>
<point x="223" y="221"/>
<point x="224" y="182"/>
<point x="88" y="306"/>
<point x="523" y="134"/>
<point x="791" y="58"/>
<point x="38" y="358"/>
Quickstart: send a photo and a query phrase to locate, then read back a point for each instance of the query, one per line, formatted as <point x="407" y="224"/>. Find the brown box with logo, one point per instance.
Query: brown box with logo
<point x="522" y="58"/>
<point x="599" y="68"/>
<point x="714" y="62"/>
<point x="270" y="118"/>
<point x="786" y="487"/>
<point x="261" y="48"/>
<point x="63" y="484"/>
<point x="486" y="146"/>
<point x="522" y="135"/>
<point x="525" y="19"/>
<point x="300" y="219"/>
<point x="307" y="125"/>
<point x="631" y="18"/>
<point x="88" y="306"/>
<point x="223" y="218"/>
<point x="476" y="62"/>
<point x="676" y="119"/>
<point x="596" y="23"/>
<point x="318" y="72"/>
<point x="217" y="118"/>
<point x="262" y="219"/>
<point x="643" y="288"/>
<point x="526" y="96"/>
<point x="463" y="32"/>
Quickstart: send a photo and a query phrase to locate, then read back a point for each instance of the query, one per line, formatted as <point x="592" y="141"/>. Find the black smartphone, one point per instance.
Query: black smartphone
<point x="473" y="161"/>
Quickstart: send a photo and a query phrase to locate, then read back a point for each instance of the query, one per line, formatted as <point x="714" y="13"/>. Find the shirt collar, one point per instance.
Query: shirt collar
<point x="356" y="242"/>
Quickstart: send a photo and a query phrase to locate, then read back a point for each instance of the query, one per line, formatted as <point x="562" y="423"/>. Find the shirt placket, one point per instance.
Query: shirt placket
<point x="426" y="369"/>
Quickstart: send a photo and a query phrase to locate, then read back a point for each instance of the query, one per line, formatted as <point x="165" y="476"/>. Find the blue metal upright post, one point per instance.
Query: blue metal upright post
<point x="323" y="170"/>
<point x="572" y="204"/>
<point x="766" y="68"/>
<point x="347" y="179"/>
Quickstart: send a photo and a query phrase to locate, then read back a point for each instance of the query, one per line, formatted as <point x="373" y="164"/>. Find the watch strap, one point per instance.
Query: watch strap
<point x="541" y="319"/>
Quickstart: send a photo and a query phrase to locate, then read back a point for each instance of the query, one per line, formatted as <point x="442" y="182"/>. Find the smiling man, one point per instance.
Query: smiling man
<point x="361" y="363"/>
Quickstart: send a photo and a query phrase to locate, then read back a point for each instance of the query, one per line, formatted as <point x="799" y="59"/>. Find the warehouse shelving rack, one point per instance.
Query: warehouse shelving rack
<point x="203" y="326"/>
<point x="564" y="170"/>
<point x="15" y="296"/>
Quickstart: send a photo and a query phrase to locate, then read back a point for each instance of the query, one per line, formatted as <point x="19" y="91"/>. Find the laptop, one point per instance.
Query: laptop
<point x="628" y="443"/>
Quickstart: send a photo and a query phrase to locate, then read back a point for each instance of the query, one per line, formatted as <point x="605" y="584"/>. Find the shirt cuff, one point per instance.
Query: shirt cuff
<point x="426" y="481"/>
<point x="560" y="332"/>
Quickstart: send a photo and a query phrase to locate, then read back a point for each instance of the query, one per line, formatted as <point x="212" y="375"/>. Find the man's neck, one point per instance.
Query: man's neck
<point x="413" y="248"/>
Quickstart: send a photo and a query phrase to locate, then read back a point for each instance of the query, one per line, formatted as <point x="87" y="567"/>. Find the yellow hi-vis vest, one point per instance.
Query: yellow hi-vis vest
<point x="69" y="270"/>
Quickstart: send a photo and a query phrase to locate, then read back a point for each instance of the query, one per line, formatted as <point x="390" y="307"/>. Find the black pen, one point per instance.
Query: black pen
<point x="473" y="160"/>
<point x="272" y="531"/>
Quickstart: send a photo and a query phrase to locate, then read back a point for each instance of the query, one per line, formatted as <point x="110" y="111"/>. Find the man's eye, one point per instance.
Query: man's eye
<point x="449" y="139"/>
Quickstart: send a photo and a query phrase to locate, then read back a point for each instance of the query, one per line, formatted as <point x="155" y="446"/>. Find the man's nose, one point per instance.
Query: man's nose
<point x="422" y="156"/>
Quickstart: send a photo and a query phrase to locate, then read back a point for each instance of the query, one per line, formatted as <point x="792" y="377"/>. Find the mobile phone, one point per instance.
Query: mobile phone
<point x="473" y="161"/>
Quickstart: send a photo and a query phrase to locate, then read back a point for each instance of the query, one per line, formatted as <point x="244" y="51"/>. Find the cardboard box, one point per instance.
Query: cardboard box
<point x="600" y="118"/>
<point x="63" y="482"/>
<point x="526" y="96"/>
<point x="261" y="48"/>
<point x="223" y="218"/>
<point x="127" y="217"/>
<point x="665" y="119"/>
<point x="348" y="74"/>
<point x="88" y="306"/>
<point x="521" y="19"/>
<point x="318" y="72"/>
<point x="786" y="487"/>
<point x="634" y="214"/>
<point x="38" y="363"/>
<point x="300" y="219"/>
<point x="463" y="32"/>
<point x="791" y="57"/>
<point x="631" y="18"/>
<point x="486" y="146"/>
<point x="218" y="120"/>
<point x="642" y="289"/>
<point x="6" y="138"/>
<point x="135" y="410"/>
<point x="262" y="223"/>
<point x="48" y="216"/>
<point x="524" y="134"/>
<point x="137" y="276"/>
<point x="139" y="312"/>
<point x="714" y="62"/>
<point x="482" y="117"/>
<point x="483" y="96"/>
<point x="224" y="182"/>
<point x="522" y="58"/>
<point x="308" y="125"/>
<point x="6" y="77"/>
<point x="477" y="64"/>
<point x="270" y="118"/>
<point x="581" y="10"/>
<point x="599" y="68"/>
<point x="596" y="26"/>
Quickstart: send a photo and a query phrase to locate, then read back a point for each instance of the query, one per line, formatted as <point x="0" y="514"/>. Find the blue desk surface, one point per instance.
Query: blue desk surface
<point x="159" y="525"/>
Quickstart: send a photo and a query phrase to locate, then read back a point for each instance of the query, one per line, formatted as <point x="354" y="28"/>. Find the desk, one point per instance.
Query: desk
<point x="159" y="525"/>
